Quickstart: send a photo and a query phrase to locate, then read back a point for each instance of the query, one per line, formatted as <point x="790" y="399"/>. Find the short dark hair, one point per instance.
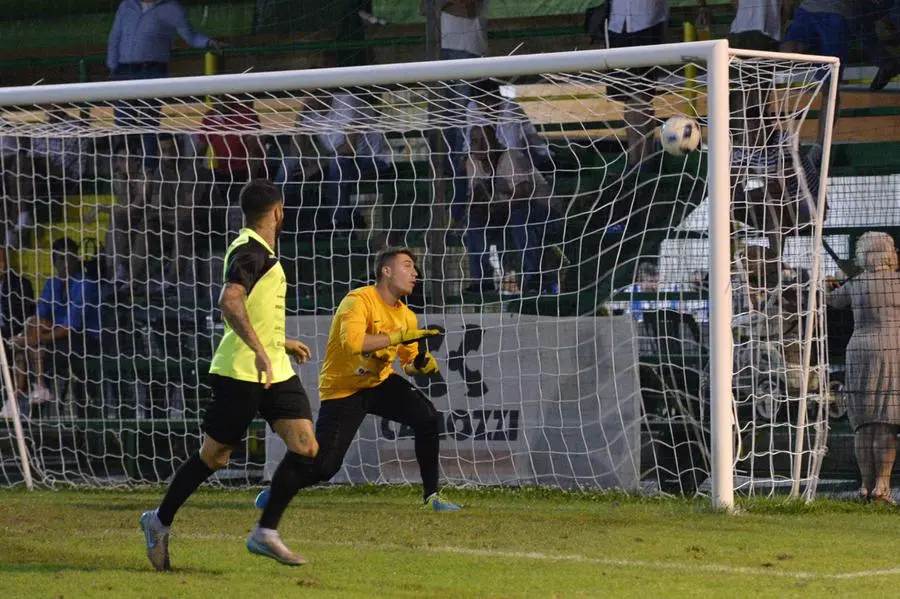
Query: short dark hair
<point x="65" y="245"/>
<point x="383" y="257"/>
<point x="257" y="198"/>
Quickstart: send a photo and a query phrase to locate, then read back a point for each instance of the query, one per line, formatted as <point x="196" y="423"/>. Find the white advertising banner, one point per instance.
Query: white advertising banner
<point x="523" y="400"/>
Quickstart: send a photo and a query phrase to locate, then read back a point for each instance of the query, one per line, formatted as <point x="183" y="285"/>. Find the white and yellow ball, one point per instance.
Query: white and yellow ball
<point x="680" y="135"/>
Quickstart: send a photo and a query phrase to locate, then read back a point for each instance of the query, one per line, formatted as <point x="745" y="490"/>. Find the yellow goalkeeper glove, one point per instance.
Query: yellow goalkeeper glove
<point x="408" y="336"/>
<point x="424" y="363"/>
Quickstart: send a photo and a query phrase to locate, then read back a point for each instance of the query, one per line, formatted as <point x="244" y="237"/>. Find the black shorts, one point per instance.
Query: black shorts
<point x="646" y="89"/>
<point x="394" y="399"/>
<point x="235" y="404"/>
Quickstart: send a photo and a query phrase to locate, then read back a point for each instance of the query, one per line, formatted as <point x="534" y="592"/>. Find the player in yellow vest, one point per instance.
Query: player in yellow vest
<point x="371" y="328"/>
<point x="251" y="373"/>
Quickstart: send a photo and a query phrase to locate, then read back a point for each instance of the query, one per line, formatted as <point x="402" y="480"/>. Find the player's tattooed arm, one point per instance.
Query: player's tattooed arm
<point x="233" y="304"/>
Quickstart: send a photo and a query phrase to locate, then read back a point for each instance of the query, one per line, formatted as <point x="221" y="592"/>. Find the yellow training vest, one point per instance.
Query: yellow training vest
<point x="266" y="310"/>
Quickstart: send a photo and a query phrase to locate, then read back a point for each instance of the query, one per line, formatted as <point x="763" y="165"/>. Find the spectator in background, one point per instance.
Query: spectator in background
<point x="58" y="154"/>
<point x="16" y="307"/>
<point x="756" y="26"/>
<point x="140" y="47"/>
<point x="16" y="299"/>
<point x="302" y="161"/>
<point x="66" y="326"/>
<point x="124" y="250"/>
<point x="354" y="156"/>
<point x="866" y="15"/>
<point x="820" y="27"/>
<point x="638" y="23"/>
<point x="508" y="193"/>
<point x="231" y="127"/>
<point x="46" y="166"/>
<point x="463" y="35"/>
<point x="169" y="214"/>
<point x="17" y="176"/>
<point x="872" y="379"/>
<point x="236" y="151"/>
<point x="463" y="28"/>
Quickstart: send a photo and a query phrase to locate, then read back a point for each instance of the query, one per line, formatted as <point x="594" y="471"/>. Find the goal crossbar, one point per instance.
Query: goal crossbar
<point x="386" y="74"/>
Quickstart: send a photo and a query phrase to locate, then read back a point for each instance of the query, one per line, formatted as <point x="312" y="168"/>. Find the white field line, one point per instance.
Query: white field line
<point x="528" y="556"/>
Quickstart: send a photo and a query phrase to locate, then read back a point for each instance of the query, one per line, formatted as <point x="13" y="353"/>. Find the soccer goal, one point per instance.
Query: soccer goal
<point x="620" y="311"/>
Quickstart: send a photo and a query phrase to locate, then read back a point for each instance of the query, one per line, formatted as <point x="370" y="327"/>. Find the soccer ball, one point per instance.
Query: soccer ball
<point x="680" y="135"/>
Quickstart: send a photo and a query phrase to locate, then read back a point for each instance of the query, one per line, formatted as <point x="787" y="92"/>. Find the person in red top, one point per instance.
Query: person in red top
<point x="230" y="130"/>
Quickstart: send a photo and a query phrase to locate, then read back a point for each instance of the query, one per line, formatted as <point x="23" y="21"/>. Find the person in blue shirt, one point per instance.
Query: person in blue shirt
<point x="140" y="47"/>
<point x="66" y="326"/>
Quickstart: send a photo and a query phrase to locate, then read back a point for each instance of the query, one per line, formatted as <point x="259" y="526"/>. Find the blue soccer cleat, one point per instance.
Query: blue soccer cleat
<point x="269" y="544"/>
<point x="262" y="500"/>
<point x="436" y="503"/>
<point x="156" y="537"/>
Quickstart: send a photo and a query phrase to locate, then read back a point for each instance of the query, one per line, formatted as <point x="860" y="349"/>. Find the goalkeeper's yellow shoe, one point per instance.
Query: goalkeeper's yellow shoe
<point x="436" y="503"/>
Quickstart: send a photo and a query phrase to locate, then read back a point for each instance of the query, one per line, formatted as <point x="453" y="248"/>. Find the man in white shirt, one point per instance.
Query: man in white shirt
<point x="637" y="23"/>
<point x="463" y="29"/>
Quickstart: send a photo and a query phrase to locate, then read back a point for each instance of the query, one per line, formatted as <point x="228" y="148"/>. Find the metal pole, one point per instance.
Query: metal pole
<point x="16" y="417"/>
<point x="382" y="74"/>
<point x="720" y="280"/>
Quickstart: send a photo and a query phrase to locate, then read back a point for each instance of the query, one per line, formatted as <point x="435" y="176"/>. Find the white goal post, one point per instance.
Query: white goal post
<point x="570" y="68"/>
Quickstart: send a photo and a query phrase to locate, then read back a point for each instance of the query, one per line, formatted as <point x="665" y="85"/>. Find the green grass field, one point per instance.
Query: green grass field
<point x="366" y="542"/>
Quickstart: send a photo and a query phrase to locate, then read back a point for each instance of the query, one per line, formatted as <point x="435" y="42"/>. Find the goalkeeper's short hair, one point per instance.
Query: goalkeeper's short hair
<point x="383" y="258"/>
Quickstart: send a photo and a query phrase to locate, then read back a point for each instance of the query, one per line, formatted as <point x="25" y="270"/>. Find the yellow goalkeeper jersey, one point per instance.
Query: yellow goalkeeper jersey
<point x="346" y="369"/>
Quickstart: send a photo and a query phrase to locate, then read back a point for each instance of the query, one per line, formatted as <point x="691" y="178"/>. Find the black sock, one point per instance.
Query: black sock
<point x="427" y="449"/>
<point x="295" y="472"/>
<point x="190" y="476"/>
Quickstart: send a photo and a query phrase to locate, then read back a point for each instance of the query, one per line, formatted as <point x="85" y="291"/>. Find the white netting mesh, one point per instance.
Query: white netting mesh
<point x="565" y="258"/>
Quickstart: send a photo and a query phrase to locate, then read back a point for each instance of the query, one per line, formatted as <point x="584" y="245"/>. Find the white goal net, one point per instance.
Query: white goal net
<point x="565" y="253"/>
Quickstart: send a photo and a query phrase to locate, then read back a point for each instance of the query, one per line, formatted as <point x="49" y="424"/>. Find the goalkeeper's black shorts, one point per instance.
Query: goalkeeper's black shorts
<point x="394" y="399"/>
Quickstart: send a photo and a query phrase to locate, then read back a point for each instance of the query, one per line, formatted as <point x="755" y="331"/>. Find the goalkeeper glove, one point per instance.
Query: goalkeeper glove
<point x="408" y="336"/>
<point x="424" y="363"/>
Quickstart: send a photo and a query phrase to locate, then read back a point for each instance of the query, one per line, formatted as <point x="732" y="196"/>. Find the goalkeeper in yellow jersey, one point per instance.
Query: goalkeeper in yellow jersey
<point x="371" y="329"/>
